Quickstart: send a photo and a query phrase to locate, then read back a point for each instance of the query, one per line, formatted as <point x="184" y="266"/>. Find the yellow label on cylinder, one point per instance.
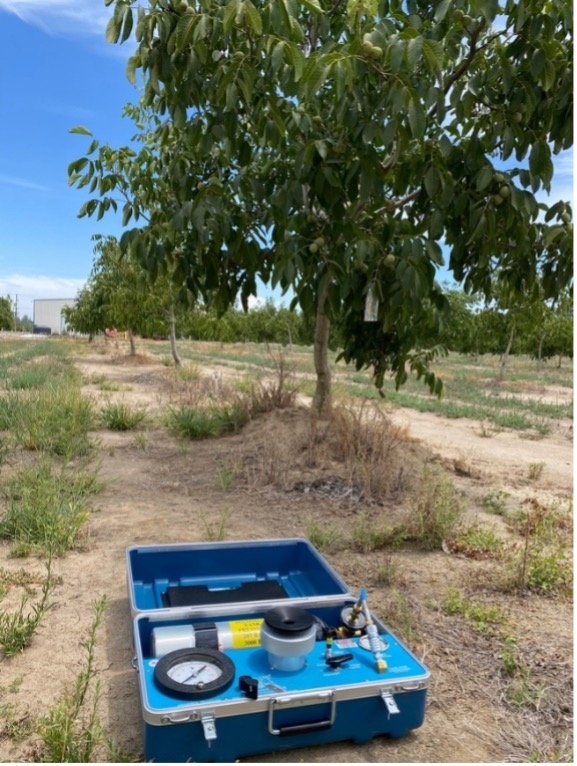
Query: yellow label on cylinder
<point x="245" y="633"/>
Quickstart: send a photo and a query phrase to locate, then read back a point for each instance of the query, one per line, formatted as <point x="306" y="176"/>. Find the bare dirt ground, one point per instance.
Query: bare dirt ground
<point x="157" y="491"/>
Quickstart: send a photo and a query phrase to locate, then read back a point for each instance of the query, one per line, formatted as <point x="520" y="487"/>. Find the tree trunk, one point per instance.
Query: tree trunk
<point x="131" y="341"/>
<point x="505" y="355"/>
<point x="540" y="353"/>
<point x="322" y="400"/>
<point x="172" y="336"/>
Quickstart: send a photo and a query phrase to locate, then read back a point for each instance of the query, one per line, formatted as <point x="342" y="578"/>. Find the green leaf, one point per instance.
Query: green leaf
<point x="127" y="24"/>
<point x="277" y="57"/>
<point x="312" y="5"/>
<point x="441" y="9"/>
<point x="76" y="166"/>
<point x="434" y="252"/>
<point x="414" y="48"/>
<point x="488" y="9"/>
<point x="229" y="16"/>
<point x="314" y="77"/>
<point x="432" y="181"/>
<point x="484" y="177"/>
<point x="88" y="208"/>
<point x="131" y="67"/>
<point x="540" y="163"/>
<point x="126" y="213"/>
<point x="113" y="30"/>
<point x="81" y="131"/>
<point x="549" y="75"/>
<point x="417" y="119"/>
<point x="295" y="55"/>
<point x="253" y="17"/>
<point x="434" y="55"/>
<point x="322" y="149"/>
<point x="185" y="29"/>
<point x="537" y="63"/>
<point x="397" y="54"/>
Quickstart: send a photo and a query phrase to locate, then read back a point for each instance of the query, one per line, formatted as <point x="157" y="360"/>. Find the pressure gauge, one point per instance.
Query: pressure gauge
<point x="194" y="673"/>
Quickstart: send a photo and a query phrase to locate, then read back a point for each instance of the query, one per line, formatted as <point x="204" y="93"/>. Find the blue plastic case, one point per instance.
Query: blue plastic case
<point x="322" y="701"/>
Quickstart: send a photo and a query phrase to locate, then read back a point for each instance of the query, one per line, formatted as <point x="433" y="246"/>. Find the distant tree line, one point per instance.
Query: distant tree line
<point x="120" y="294"/>
<point x="8" y="319"/>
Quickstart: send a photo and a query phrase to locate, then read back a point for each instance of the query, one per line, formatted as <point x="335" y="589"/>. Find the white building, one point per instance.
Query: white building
<point x="48" y="317"/>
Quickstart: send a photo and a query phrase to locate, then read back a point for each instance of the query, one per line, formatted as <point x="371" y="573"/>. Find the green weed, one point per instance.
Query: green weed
<point x="205" y="423"/>
<point x="104" y="384"/>
<point x="435" y="510"/>
<point x="326" y="538"/>
<point x="46" y="506"/>
<point x="188" y="372"/>
<point x="542" y="561"/>
<point x="534" y="567"/>
<point x="226" y="474"/>
<point x="71" y="731"/>
<point x="522" y="692"/>
<point x="386" y="573"/>
<point x="367" y="535"/>
<point x="21" y="578"/>
<point x="55" y="419"/>
<point x="141" y="441"/>
<point x="496" y="501"/>
<point x="510" y="656"/>
<point x="32" y="376"/>
<point x="118" y="416"/>
<point x="477" y="542"/>
<point x="215" y="528"/>
<point x="535" y="471"/>
<point x="18" y="628"/>
<point x="401" y="616"/>
<point x="483" y="618"/>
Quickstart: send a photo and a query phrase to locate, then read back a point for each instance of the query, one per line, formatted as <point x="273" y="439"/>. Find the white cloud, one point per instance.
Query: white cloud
<point x="22" y="183"/>
<point x="26" y="289"/>
<point x="80" y="18"/>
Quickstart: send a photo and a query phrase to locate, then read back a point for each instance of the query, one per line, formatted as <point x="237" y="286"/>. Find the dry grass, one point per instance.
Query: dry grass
<point x="361" y="455"/>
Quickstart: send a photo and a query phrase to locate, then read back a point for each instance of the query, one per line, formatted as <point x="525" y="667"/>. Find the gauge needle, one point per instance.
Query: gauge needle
<point x="194" y="675"/>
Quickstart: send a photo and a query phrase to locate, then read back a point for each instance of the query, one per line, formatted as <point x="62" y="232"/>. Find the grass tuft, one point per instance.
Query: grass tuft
<point x="435" y="510"/>
<point x="55" y="420"/>
<point x="46" y="507"/>
<point x="118" y="416"/>
<point x="205" y="423"/>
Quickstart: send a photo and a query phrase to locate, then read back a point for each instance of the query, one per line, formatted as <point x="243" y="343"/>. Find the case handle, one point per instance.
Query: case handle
<point x="302" y="700"/>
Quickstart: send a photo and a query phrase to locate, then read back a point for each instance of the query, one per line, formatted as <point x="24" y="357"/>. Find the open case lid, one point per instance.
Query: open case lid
<point x="225" y="577"/>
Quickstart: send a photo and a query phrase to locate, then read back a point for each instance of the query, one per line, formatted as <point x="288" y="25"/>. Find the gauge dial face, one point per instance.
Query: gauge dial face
<point x="194" y="673"/>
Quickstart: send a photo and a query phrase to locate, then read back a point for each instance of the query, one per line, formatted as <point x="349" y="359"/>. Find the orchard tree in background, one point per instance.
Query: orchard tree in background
<point x="334" y="148"/>
<point x="554" y="337"/>
<point x="6" y="313"/>
<point x="119" y="294"/>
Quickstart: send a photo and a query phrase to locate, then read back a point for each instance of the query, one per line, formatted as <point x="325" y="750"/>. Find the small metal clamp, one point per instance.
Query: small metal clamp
<point x="389" y="701"/>
<point x="209" y="727"/>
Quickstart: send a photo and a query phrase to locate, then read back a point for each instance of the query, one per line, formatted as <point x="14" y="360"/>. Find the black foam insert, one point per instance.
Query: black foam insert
<point x="200" y="595"/>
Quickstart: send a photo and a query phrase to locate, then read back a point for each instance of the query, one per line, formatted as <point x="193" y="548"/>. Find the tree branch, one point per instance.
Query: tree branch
<point x="460" y="70"/>
<point x="395" y="205"/>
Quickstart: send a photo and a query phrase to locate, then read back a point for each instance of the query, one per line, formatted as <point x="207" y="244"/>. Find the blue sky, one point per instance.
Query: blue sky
<point x="57" y="71"/>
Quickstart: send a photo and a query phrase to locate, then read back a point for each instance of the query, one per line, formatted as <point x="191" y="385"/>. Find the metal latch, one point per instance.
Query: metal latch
<point x="209" y="727"/>
<point x="389" y="701"/>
